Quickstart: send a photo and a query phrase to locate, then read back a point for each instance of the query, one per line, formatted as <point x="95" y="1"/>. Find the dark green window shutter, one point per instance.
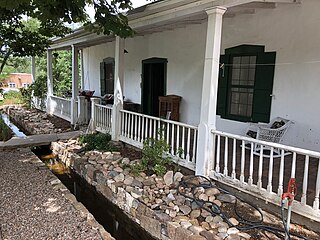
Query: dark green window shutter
<point x="223" y="85"/>
<point x="263" y="87"/>
<point x="102" y="78"/>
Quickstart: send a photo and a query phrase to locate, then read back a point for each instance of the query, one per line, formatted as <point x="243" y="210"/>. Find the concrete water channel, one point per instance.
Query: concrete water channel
<point x="113" y="219"/>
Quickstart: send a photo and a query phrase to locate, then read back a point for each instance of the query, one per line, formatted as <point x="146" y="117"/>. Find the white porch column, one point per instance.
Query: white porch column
<point x="82" y="69"/>
<point x="205" y="156"/>
<point x="33" y="68"/>
<point x="75" y="84"/>
<point x="118" y="85"/>
<point x="49" y="81"/>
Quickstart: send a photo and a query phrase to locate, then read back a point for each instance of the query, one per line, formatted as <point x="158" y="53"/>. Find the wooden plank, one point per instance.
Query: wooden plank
<point x="37" y="140"/>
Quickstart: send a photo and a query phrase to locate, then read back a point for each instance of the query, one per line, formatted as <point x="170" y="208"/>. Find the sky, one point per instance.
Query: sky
<point x="135" y="4"/>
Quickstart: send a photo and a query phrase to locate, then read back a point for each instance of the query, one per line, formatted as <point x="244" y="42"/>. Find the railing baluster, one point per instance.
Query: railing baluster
<point x="269" y="186"/>
<point x="135" y="128"/>
<point x="316" y="198"/>
<point x="155" y="135"/>
<point x="188" y="145"/>
<point x="234" y="153"/>
<point x="195" y="136"/>
<point x="139" y="129"/>
<point x="218" y="155"/>
<point x="294" y="163"/>
<point x="305" y="181"/>
<point x="143" y="129"/>
<point x="178" y="140"/>
<point x="250" y="179"/>
<point x="225" y="170"/>
<point x="281" y="174"/>
<point x="183" y="154"/>
<point x="131" y="126"/>
<point x="168" y="134"/>
<point x="243" y="160"/>
<point x="172" y="139"/>
<point x="259" y="183"/>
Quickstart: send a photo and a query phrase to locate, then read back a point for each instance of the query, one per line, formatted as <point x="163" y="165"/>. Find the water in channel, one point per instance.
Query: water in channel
<point x="16" y="131"/>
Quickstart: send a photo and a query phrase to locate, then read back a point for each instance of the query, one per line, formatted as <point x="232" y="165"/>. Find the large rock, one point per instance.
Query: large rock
<point x="168" y="178"/>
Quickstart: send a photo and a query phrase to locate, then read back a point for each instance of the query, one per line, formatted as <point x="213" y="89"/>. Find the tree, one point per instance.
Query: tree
<point x="26" y="26"/>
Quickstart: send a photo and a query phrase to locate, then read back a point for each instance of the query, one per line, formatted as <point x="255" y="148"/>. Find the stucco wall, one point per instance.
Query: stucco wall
<point x="292" y="30"/>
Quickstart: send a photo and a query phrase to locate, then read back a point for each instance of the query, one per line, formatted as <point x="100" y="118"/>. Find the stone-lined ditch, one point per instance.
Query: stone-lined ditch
<point x="113" y="219"/>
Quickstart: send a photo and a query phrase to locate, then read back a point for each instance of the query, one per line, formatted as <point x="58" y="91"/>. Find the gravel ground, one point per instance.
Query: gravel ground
<point x="30" y="207"/>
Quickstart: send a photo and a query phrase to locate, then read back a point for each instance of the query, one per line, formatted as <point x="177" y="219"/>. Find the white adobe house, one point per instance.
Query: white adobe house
<point x="232" y="62"/>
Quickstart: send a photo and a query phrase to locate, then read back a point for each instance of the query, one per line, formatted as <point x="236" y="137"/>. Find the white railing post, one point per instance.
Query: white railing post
<point x="209" y="91"/>
<point x="94" y="101"/>
<point x="75" y="85"/>
<point x="49" y="81"/>
<point x="82" y="109"/>
<point x="116" y="122"/>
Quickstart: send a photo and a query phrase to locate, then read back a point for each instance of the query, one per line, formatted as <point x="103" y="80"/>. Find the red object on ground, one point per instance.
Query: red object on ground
<point x="291" y="192"/>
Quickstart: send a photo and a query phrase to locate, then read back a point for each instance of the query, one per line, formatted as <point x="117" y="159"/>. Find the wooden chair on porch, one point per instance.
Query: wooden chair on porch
<point x="269" y="132"/>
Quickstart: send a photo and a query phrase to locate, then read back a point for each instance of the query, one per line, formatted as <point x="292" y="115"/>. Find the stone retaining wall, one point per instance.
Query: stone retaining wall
<point x="102" y="170"/>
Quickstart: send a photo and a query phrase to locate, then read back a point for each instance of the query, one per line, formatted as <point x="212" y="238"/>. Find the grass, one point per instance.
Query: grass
<point x="12" y="98"/>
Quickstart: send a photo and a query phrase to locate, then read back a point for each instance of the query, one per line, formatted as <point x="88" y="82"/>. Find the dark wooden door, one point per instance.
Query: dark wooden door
<point x="154" y="76"/>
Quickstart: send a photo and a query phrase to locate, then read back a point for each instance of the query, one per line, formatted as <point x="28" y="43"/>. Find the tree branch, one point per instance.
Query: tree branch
<point x="4" y="61"/>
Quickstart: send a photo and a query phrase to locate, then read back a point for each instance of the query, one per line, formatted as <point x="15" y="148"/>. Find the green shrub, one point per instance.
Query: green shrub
<point x="5" y="131"/>
<point x="155" y="156"/>
<point x="12" y="94"/>
<point x="97" y="141"/>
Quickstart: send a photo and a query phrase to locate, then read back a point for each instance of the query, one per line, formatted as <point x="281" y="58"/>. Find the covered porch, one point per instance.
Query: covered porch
<point x="196" y="142"/>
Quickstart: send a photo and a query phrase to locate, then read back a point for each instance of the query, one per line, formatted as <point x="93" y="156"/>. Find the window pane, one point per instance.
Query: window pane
<point x="241" y="102"/>
<point x="253" y="60"/>
<point x="235" y="73"/>
<point x="244" y="74"/>
<point x="252" y="74"/>
<point x="236" y="61"/>
<point x="245" y="61"/>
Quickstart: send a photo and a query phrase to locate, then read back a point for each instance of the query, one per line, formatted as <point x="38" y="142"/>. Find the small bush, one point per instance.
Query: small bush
<point x="97" y="141"/>
<point x="5" y="131"/>
<point x="155" y="156"/>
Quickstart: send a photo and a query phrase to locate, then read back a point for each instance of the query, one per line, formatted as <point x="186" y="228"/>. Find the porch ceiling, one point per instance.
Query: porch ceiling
<point x="168" y="15"/>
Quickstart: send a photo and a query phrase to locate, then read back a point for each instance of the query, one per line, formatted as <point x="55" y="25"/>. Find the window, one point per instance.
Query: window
<point x="25" y="85"/>
<point x="12" y="85"/>
<point x="245" y="84"/>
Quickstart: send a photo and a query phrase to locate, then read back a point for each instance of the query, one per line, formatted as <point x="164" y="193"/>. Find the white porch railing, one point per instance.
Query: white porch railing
<point x="102" y="118"/>
<point x="182" y="138"/>
<point x="39" y="103"/>
<point x="260" y="173"/>
<point x="61" y="107"/>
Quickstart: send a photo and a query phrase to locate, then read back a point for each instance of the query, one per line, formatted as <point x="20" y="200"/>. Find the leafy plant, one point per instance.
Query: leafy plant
<point x="5" y="131"/>
<point x="97" y="141"/>
<point x="155" y="156"/>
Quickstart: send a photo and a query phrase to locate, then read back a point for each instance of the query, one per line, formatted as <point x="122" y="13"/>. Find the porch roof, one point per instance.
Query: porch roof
<point x="166" y="15"/>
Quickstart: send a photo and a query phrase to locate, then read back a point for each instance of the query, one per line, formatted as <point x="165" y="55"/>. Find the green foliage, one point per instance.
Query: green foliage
<point x="97" y="141"/>
<point x="12" y="94"/>
<point x="12" y="97"/>
<point x="62" y="73"/>
<point x="155" y="156"/>
<point x="5" y="131"/>
<point x="47" y="19"/>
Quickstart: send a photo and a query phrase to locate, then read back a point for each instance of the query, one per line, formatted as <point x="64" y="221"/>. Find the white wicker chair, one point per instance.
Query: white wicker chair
<point x="271" y="132"/>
